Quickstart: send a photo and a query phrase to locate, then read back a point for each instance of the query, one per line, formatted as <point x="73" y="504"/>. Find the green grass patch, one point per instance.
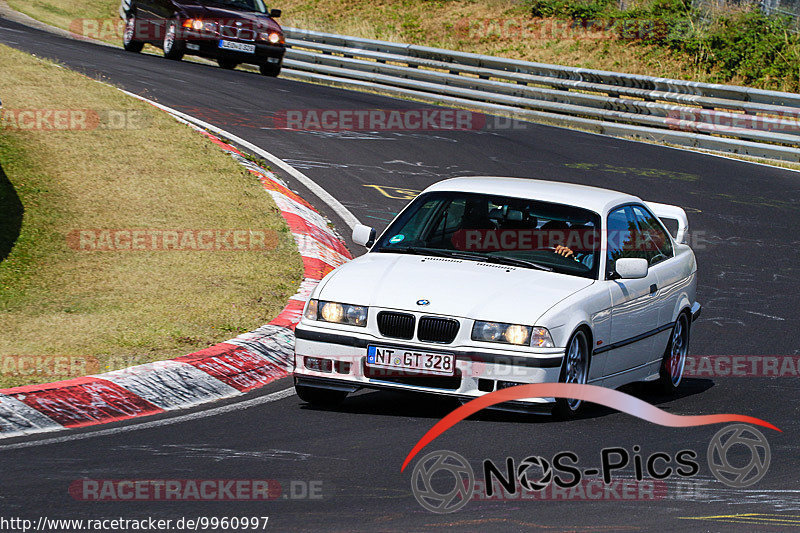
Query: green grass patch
<point x="64" y="13"/>
<point x="122" y="307"/>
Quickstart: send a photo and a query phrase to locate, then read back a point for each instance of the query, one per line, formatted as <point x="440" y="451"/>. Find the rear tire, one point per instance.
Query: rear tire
<point x="671" y="371"/>
<point x="574" y="370"/>
<point x="270" y="69"/>
<point x="319" y="397"/>
<point x="227" y="64"/>
<point x="128" y="42"/>
<point x="174" y="48"/>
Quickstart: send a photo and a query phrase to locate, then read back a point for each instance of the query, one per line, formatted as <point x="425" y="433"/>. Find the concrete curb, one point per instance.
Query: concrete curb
<point x="228" y="369"/>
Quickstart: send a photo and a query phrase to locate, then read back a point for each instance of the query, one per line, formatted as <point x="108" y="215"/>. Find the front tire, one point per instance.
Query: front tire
<point x="174" y="48"/>
<point x="270" y="69"/>
<point x="319" y="397"/>
<point x="671" y="372"/>
<point x="574" y="370"/>
<point x="129" y="43"/>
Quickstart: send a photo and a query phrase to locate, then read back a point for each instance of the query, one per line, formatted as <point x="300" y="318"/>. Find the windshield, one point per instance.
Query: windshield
<point x="241" y="5"/>
<point x="514" y="231"/>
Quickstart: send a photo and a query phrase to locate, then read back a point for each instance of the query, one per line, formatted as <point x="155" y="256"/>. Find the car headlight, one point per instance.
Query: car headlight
<point x="511" y="334"/>
<point x="193" y="24"/>
<point x="337" y="313"/>
<point x="200" y="25"/>
<point x="272" y="37"/>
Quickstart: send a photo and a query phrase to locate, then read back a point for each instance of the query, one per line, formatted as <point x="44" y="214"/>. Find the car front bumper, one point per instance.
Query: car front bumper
<point x="477" y="371"/>
<point x="264" y="53"/>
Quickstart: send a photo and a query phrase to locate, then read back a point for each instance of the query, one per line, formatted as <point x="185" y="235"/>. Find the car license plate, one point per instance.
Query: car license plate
<point x="429" y="363"/>
<point x="239" y="47"/>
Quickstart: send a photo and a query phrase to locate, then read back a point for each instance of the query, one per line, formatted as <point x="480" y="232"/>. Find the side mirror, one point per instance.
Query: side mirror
<point x="631" y="267"/>
<point x="363" y="235"/>
<point x="275" y="13"/>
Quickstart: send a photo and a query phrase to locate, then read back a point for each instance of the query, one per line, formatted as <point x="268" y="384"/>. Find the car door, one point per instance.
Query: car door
<point x="146" y="14"/>
<point x="143" y="10"/>
<point x="163" y="10"/>
<point x="634" y="311"/>
<point x="663" y="263"/>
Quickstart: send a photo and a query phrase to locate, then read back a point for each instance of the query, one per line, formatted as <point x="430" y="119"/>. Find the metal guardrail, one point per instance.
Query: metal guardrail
<point x="711" y="116"/>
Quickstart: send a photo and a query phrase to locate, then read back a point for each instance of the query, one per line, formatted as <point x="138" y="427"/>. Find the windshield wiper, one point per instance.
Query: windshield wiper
<point x="498" y="259"/>
<point x="511" y="261"/>
<point x="475" y="256"/>
<point x="416" y="251"/>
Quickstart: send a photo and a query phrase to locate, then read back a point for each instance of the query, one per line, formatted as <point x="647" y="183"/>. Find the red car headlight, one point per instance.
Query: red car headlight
<point x="272" y="37"/>
<point x="200" y="25"/>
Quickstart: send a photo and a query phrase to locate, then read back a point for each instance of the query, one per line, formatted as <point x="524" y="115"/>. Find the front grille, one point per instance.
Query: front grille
<point x="396" y="325"/>
<point x="247" y="35"/>
<point x="232" y="32"/>
<point x="431" y="329"/>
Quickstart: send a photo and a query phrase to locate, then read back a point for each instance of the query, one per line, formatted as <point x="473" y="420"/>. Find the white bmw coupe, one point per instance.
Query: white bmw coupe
<point x="483" y="283"/>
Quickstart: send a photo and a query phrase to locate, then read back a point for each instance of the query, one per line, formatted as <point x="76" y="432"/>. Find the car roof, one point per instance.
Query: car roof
<point x="593" y="198"/>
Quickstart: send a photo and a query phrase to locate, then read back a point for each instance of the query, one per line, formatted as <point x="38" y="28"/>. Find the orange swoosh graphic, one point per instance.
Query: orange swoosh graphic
<point x="590" y="393"/>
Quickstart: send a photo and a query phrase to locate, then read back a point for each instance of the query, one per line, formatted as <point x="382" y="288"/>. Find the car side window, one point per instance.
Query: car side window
<point x="655" y="240"/>
<point x="623" y="237"/>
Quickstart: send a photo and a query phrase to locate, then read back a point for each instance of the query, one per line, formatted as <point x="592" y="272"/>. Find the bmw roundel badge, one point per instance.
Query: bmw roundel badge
<point x="423" y="302"/>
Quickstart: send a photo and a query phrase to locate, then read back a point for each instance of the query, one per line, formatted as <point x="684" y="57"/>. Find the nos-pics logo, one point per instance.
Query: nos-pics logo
<point x="444" y="481"/>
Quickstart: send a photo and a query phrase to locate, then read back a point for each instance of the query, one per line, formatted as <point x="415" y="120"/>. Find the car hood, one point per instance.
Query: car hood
<point x="454" y="287"/>
<point x="257" y="20"/>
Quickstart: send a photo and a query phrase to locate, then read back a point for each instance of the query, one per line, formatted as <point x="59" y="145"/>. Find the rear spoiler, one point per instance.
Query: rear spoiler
<point x="672" y="212"/>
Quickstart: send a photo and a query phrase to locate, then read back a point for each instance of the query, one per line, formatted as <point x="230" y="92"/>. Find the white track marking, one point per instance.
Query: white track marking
<point x="269" y="398"/>
<point x="288" y="205"/>
<point x="311" y="247"/>
<point x="344" y="213"/>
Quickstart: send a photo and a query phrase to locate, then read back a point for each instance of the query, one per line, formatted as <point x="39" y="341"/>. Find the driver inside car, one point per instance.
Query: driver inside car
<point x="585" y="257"/>
<point x="561" y="227"/>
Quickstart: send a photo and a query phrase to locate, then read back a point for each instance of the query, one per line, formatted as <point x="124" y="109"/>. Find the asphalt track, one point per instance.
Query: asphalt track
<point x="744" y="219"/>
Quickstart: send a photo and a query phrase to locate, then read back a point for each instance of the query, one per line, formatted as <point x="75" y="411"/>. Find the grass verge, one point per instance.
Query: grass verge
<point x="65" y="14"/>
<point x="118" y="308"/>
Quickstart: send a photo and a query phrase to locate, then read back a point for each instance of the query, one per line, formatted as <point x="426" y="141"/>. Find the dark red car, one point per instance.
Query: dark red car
<point x="230" y="31"/>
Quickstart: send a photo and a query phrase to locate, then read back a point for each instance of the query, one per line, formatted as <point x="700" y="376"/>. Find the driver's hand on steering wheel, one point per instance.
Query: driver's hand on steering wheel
<point x="564" y="251"/>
